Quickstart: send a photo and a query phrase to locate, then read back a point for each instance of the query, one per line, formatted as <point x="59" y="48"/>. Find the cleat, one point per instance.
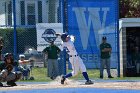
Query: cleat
<point x="11" y="83"/>
<point x="63" y="80"/>
<point x="88" y="82"/>
<point x="52" y="78"/>
<point x="101" y="77"/>
<point x="110" y="77"/>
<point x="1" y="85"/>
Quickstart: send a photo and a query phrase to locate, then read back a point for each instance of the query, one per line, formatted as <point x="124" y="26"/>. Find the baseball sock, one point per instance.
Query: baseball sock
<point x="85" y="76"/>
<point x="68" y="75"/>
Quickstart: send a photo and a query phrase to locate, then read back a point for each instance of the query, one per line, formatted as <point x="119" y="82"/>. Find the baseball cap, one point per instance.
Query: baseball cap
<point x="104" y="38"/>
<point x="21" y="56"/>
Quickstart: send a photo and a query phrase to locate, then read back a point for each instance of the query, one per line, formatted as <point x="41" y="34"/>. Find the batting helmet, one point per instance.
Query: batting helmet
<point x="8" y="55"/>
<point x="63" y="37"/>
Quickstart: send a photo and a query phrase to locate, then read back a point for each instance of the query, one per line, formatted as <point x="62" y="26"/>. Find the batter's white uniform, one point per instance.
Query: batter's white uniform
<point x="74" y="58"/>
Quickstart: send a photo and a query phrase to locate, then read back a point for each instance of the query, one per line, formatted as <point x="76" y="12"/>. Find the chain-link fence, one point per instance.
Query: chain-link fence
<point x="27" y="13"/>
<point x="18" y="27"/>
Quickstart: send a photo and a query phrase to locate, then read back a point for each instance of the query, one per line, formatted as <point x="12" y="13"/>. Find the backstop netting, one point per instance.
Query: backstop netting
<point x="24" y="22"/>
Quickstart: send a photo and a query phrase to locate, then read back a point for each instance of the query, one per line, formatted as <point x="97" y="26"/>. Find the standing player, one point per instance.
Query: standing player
<point x="105" y="49"/>
<point x="52" y="52"/>
<point x="75" y="60"/>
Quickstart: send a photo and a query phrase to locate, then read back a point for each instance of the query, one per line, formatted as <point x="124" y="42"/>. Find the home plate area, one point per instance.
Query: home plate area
<point x="74" y="86"/>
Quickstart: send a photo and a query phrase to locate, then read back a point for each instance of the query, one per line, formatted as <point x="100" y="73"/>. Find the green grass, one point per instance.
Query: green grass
<point x="40" y="75"/>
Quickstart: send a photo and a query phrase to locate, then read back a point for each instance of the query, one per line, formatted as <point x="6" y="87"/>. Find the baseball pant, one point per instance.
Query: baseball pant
<point x="105" y="62"/>
<point x="9" y="76"/>
<point x="53" y="67"/>
<point x="77" y="64"/>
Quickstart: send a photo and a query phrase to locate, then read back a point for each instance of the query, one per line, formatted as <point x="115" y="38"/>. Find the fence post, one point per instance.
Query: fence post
<point x="15" y="33"/>
<point x="118" y="38"/>
<point x="64" y="61"/>
<point x="60" y="12"/>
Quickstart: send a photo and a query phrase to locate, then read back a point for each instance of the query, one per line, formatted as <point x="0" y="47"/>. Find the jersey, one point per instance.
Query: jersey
<point x="52" y="51"/>
<point x="3" y="65"/>
<point x="75" y="60"/>
<point x="24" y="64"/>
<point x="105" y="55"/>
<point x="70" y="47"/>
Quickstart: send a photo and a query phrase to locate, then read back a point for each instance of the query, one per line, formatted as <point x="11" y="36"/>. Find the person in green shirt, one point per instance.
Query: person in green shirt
<point x="105" y="49"/>
<point x="52" y="52"/>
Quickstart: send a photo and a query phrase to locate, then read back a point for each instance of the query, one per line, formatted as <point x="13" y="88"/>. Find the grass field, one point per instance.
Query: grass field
<point x="40" y="75"/>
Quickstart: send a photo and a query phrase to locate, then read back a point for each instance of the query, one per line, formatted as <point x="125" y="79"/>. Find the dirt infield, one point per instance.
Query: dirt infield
<point x="75" y="84"/>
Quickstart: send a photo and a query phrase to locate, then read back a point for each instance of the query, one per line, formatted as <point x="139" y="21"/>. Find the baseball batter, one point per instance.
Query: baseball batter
<point x="75" y="60"/>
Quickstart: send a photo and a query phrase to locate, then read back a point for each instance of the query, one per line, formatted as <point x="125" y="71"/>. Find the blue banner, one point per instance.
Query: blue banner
<point x="88" y="21"/>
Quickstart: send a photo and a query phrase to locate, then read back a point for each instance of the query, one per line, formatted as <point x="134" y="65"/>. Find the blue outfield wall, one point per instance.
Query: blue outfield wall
<point x="89" y="20"/>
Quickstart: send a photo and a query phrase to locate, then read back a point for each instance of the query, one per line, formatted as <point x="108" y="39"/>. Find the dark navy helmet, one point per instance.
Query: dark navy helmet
<point x="63" y="37"/>
<point x="8" y="55"/>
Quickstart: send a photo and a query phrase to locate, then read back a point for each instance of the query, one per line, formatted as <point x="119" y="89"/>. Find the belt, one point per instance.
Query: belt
<point x="73" y="55"/>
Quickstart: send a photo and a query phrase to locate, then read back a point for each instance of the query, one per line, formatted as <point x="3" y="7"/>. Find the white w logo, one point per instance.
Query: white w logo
<point x="94" y="19"/>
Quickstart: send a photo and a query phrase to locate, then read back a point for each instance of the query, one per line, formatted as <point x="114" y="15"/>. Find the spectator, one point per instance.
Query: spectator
<point x="24" y="67"/>
<point x="105" y="49"/>
<point x="52" y="52"/>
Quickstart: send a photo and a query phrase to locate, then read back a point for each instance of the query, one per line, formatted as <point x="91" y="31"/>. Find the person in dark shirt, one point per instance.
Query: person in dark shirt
<point x="52" y="52"/>
<point x="105" y="49"/>
<point x="6" y="71"/>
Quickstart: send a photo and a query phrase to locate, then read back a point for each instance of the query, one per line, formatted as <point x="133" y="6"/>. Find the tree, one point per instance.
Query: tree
<point x="129" y="8"/>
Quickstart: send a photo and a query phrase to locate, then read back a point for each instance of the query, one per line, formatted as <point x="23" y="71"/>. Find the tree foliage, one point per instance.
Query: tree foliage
<point x="26" y="37"/>
<point x="129" y="8"/>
